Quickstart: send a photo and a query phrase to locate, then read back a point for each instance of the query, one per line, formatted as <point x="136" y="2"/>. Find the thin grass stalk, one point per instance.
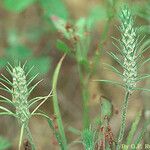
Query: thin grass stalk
<point x="85" y="95"/>
<point x="21" y="137"/>
<point x="85" y="98"/>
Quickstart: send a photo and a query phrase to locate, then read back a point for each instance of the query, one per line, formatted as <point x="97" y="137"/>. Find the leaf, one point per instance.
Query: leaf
<point x="145" y="76"/>
<point x="142" y="89"/>
<point x="4" y="143"/>
<point x="62" y="47"/>
<point x="81" y="25"/>
<point x="51" y="125"/>
<point x="110" y="82"/>
<point x="142" y="132"/>
<point x="54" y="7"/>
<point x="88" y="138"/>
<point x="82" y="49"/>
<point x="111" y="2"/>
<point x="60" y="25"/>
<point x="56" y="105"/>
<point x="41" y="65"/>
<point x="57" y="135"/>
<point x="74" y="130"/>
<point x="145" y="29"/>
<point x="145" y="61"/>
<point x="116" y="58"/>
<point x="19" y="52"/>
<point x="6" y="110"/>
<point x="17" y="5"/>
<point x="98" y="13"/>
<point x="106" y="107"/>
<point x="133" y="128"/>
<point x="33" y="33"/>
<point x="13" y="38"/>
<point x="3" y="62"/>
<point x="144" y="46"/>
<point x="39" y="105"/>
<point x="113" y="69"/>
<point x="143" y="12"/>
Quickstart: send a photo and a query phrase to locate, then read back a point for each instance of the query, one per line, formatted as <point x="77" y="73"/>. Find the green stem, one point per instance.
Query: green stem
<point x="85" y="97"/>
<point x="29" y="136"/>
<point x="21" y="137"/>
<point x="103" y="39"/>
<point x="123" y="120"/>
<point x="104" y="36"/>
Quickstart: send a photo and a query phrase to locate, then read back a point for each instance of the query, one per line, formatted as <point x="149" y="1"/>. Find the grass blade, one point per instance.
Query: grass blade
<point x="141" y="134"/>
<point x="55" y="103"/>
<point x="133" y="128"/>
<point x="51" y="124"/>
<point x="110" y="82"/>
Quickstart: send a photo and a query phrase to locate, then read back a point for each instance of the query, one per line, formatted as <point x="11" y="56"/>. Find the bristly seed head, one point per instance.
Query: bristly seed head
<point x="20" y="94"/>
<point x="129" y="44"/>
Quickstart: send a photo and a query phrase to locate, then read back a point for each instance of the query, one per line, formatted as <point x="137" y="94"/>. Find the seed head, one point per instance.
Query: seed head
<point x="20" y="95"/>
<point x="129" y="46"/>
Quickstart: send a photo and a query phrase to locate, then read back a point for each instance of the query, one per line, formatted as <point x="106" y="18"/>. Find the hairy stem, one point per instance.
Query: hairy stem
<point x="123" y="120"/>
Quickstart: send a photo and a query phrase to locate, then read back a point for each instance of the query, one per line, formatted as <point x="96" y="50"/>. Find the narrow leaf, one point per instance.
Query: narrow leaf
<point x="115" y="58"/>
<point x="133" y="128"/>
<point x="112" y="68"/>
<point x="110" y="82"/>
<point x="143" y="77"/>
<point x="141" y="134"/>
<point x="5" y="109"/>
<point x="62" y="47"/>
<point x="56" y="105"/>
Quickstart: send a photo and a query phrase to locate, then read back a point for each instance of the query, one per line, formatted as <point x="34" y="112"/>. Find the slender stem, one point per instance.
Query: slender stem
<point x="123" y="120"/>
<point x="21" y="137"/>
<point x="29" y="135"/>
<point x="104" y="35"/>
<point x="85" y="97"/>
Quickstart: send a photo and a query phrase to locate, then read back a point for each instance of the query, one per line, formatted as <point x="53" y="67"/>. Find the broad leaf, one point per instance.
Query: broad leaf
<point x="17" y="5"/>
<point x="54" y="7"/>
<point x="4" y="143"/>
<point x="41" y="65"/>
<point x="20" y="52"/>
<point x="62" y="47"/>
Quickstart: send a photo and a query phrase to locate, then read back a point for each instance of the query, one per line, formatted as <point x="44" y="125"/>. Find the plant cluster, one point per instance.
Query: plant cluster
<point x="96" y="134"/>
